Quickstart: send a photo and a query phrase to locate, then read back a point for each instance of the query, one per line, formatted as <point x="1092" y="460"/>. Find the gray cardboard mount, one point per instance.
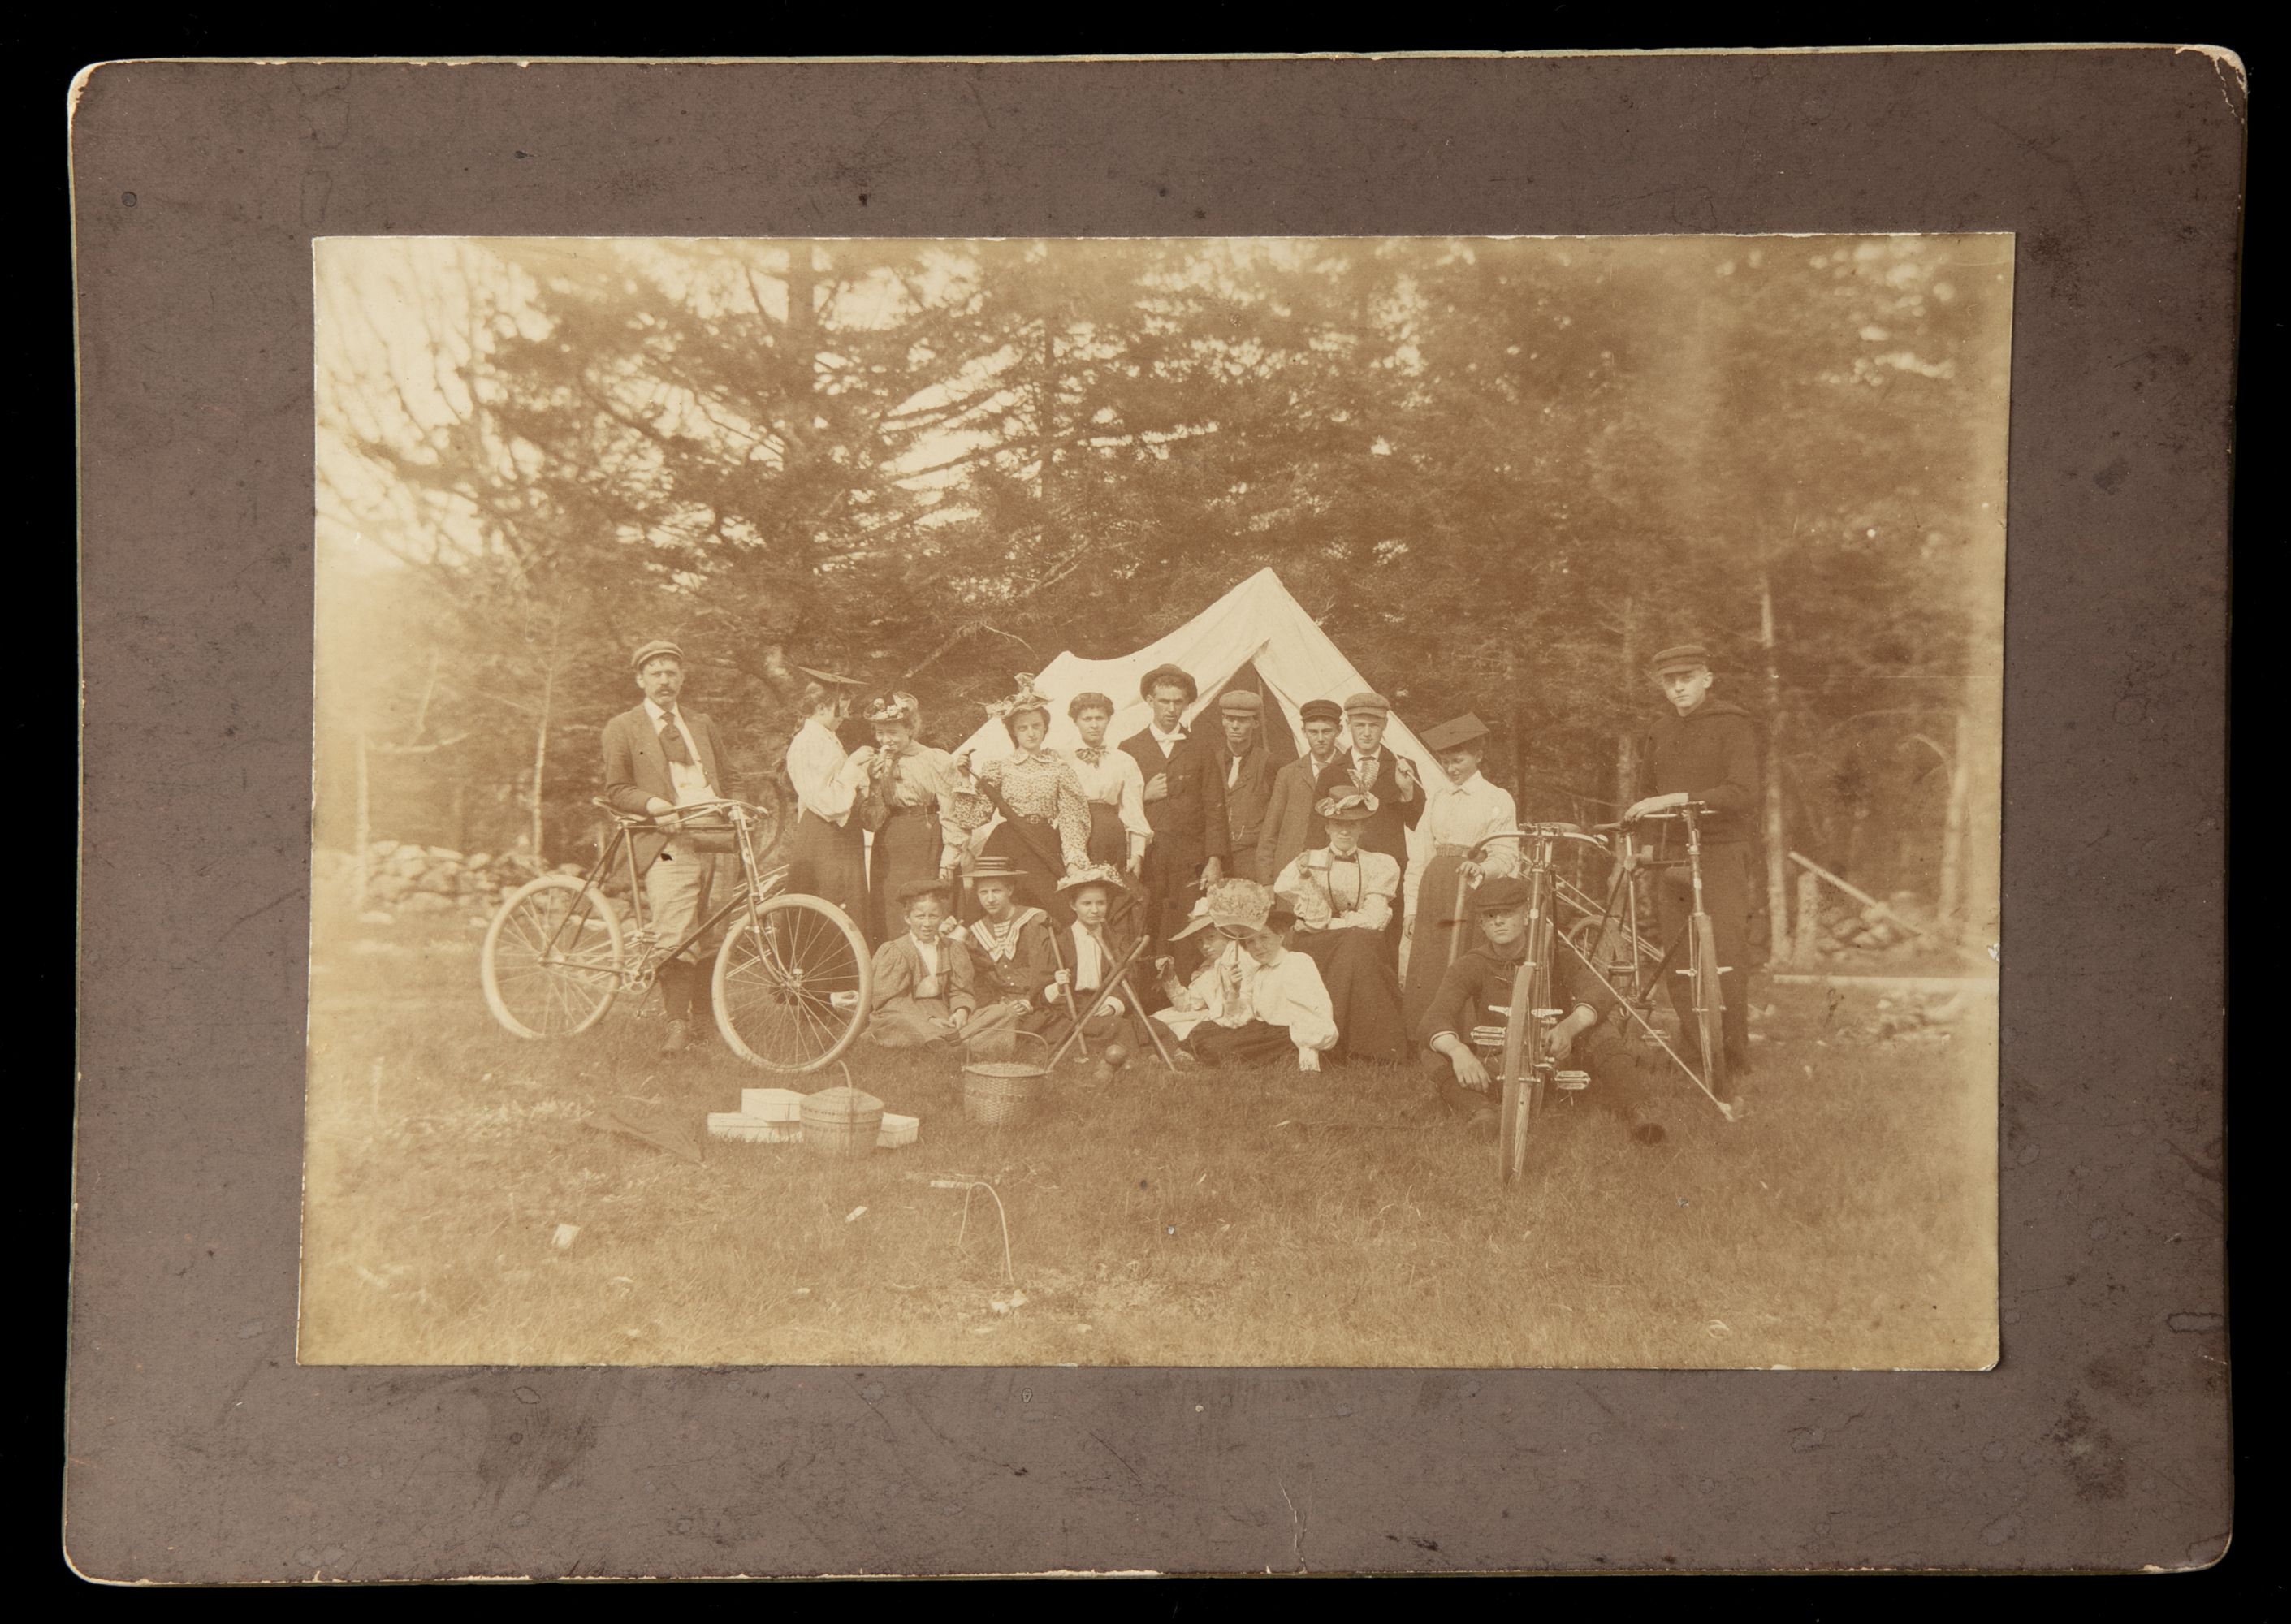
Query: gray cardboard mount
<point x="198" y="1451"/>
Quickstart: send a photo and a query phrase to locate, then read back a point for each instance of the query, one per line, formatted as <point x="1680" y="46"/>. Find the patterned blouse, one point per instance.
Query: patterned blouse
<point x="1039" y="787"/>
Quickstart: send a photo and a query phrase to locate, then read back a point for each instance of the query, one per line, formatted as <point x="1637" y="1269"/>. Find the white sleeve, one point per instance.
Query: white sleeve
<point x="1299" y="1001"/>
<point x="815" y="767"/>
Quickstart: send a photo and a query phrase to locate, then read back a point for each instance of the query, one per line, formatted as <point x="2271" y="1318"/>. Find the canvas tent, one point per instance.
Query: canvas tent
<point x="1257" y="623"/>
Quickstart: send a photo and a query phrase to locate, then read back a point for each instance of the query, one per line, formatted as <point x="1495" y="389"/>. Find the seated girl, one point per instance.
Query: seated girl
<point x="1096" y="947"/>
<point x="925" y="996"/>
<point x="1044" y="829"/>
<point x="1271" y="1004"/>
<point x="1013" y="955"/>
<point x="1342" y="897"/>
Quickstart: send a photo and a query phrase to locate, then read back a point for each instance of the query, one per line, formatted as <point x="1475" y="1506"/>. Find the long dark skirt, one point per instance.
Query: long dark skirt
<point x="1363" y="991"/>
<point x="830" y="862"/>
<point x="907" y="848"/>
<point x="1443" y="932"/>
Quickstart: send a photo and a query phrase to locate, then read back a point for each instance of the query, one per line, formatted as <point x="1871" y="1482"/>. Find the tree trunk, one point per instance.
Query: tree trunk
<point x="1627" y="754"/>
<point x="1777" y="892"/>
<point x="1806" y="936"/>
<point x="541" y="731"/>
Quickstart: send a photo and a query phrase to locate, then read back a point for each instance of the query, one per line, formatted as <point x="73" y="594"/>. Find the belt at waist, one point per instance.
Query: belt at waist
<point x="1449" y="849"/>
<point x="930" y="811"/>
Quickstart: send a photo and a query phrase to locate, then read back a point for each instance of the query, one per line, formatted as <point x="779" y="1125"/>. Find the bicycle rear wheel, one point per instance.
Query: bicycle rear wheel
<point x="1522" y="1071"/>
<point x="791" y="984"/>
<point x="552" y="958"/>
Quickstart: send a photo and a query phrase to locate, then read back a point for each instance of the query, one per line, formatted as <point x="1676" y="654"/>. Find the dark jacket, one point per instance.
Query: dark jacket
<point x="1711" y="753"/>
<point x="1189" y="823"/>
<point x="1290" y="825"/>
<point x="1477" y="991"/>
<point x="1388" y="830"/>
<point x="636" y="768"/>
<point x="1247" y="797"/>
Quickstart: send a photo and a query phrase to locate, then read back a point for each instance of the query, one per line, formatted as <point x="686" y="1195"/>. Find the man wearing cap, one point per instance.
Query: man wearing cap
<point x="1185" y="803"/>
<point x="1248" y="778"/>
<point x="1707" y="751"/>
<point x="1459" y="1036"/>
<point x="660" y="757"/>
<point x="1369" y="768"/>
<point x="1291" y="822"/>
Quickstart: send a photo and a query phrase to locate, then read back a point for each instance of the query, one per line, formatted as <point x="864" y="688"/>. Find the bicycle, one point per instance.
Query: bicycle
<point x="1607" y="941"/>
<point x="792" y="977"/>
<point x="1528" y="1069"/>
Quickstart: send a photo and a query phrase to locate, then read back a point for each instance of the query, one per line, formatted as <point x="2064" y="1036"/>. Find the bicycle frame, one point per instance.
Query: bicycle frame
<point x="756" y="885"/>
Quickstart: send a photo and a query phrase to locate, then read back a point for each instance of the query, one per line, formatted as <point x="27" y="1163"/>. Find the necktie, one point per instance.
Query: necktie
<point x="672" y="741"/>
<point x="1233" y="772"/>
<point x="1364" y="771"/>
<point x="1089" y="756"/>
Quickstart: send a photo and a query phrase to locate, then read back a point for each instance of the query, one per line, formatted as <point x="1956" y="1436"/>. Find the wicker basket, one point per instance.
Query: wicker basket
<point x="999" y="1093"/>
<point x="841" y="1122"/>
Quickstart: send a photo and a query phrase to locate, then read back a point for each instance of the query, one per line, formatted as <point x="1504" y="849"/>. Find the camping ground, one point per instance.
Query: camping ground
<point x="1253" y="1219"/>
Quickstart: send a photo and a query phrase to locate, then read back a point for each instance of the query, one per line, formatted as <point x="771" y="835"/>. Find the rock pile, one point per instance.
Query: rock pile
<point x="403" y="880"/>
<point x="1912" y="1017"/>
<point x="1849" y="930"/>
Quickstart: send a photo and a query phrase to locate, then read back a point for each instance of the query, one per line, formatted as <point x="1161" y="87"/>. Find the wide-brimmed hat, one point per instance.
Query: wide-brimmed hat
<point x="895" y="708"/>
<point x="1096" y="873"/>
<point x="1028" y="698"/>
<point x="1685" y="656"/>
<point x="1345" y="807"/>
<point x="653" y="650"/>
<point x="1464" y="732"/>
<point x="995" y="868"/>
<point x="1231" y="906"/>
<point x="1178" y="674"/>
<point x="829" y="678"/>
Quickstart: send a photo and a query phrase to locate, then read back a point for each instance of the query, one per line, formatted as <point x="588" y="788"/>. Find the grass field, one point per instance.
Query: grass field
<point x="1257" y="1218"/>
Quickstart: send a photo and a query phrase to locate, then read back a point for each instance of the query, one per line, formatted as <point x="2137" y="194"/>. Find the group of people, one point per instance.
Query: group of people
<point x="1252" y="908"/>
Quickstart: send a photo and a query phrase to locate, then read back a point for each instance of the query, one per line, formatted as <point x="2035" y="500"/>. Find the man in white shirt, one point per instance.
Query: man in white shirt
<point x="658" y="759"/>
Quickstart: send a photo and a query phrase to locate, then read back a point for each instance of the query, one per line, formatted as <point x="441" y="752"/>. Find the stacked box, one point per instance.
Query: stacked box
<point x="755" y="1130"/>
<point x="897" y="1130"/>
<point x="772" y="1104"/>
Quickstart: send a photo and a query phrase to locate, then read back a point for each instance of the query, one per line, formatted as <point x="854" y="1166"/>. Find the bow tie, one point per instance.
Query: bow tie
<point x="1089" y="755"/>
<point x="1344" y="857"/>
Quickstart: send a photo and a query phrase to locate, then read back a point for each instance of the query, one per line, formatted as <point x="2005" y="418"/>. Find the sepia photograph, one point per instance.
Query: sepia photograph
<point x="1157" y="802"/>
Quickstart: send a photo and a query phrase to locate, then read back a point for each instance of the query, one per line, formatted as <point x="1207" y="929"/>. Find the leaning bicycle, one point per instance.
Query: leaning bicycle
<point x="792" y="975"/>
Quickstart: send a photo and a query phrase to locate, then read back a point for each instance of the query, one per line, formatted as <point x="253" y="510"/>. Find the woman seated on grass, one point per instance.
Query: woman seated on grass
<point x="1045" y="827"/>
<point x="1014" y="958"/>
<point x="1343" y="898"/>
<point x="1270" y="1003"/>
<point x="1476" y="996"/>
<point x="925" y="994"/>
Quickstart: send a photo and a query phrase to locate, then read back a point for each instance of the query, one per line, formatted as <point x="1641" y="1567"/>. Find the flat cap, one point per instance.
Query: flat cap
<point x="1178" y="674"/>
<point x="653" y="650"/>
<point x="1242" y="702"/>
<point x="1375" y="704"/>
<point x="1466" y="729"/>
<point x="1321" y="710"/>
<point x="1686" y="657"/>
<point x="1499" y="891"/>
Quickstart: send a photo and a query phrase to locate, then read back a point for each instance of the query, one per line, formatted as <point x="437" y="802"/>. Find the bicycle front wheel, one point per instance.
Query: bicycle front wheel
<point x="552" y="958"/>
<point x="1709" y="1007"/>
<point x="791" y="984"/>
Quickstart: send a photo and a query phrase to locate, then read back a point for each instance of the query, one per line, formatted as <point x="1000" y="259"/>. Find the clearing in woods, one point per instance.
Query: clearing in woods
<point x="1253" y="1219"/>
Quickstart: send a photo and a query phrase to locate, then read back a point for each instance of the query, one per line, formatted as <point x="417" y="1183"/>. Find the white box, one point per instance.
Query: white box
<point x="755" y="1130"/>
<point x="897" y="1130"/>
<point x="772" y="1104"/>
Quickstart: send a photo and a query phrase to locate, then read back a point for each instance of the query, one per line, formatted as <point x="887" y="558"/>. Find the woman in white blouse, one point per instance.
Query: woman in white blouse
<point x="1468" y="811"/>
<point x="826" y="850"/>
<point x="1343" y="896"/>
<point x="1114" y="786"/>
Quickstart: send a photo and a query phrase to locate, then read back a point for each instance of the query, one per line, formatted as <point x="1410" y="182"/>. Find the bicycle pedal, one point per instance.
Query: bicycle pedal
<point x="1572" y="1080"/>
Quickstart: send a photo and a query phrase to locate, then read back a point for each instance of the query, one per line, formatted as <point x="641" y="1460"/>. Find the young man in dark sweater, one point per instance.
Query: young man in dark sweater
<point x="1707" y="751"/>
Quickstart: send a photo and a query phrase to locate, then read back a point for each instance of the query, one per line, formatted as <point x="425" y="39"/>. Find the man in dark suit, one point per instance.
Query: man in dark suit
<point x="659" y="757"/>
<point x="1185" y="803"/>
<point x="1246" y="761"/>
<point x="1370" y="767"/>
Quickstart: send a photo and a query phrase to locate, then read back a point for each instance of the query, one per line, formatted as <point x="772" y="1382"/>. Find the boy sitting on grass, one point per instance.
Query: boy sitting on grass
<point x="1476" y="994"/>
<point x="1269" y="1001"/>
<point x="925" y="996"/>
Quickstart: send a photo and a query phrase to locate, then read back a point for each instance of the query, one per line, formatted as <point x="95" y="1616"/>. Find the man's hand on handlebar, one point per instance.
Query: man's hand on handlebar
<point x="1653" y="804"/>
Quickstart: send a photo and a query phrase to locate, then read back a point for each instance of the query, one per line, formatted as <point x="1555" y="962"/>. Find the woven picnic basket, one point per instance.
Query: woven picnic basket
<point x="998" y="1093"/>
<point x="841" y="1122"/>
